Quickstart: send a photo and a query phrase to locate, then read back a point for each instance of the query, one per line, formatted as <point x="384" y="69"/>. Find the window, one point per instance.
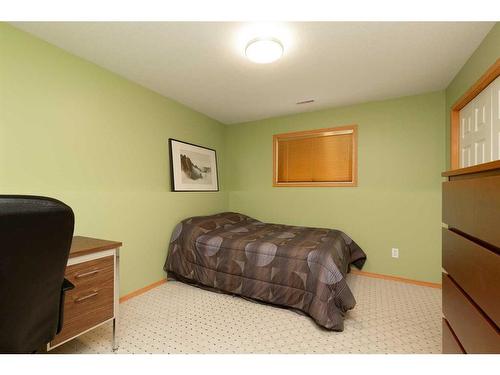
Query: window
<point x="323" y="157"/>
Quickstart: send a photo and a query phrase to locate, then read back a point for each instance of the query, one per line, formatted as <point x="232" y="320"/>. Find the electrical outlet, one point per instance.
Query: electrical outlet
<point x="395" y="252"/>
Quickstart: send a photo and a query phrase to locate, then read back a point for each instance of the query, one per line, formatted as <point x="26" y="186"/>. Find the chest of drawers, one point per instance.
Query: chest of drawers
<point x="471" y="259"/>
<point x="93" y="268"/>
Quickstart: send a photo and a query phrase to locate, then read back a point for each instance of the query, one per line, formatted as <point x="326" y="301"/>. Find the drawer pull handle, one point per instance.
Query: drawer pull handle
<point x="93" y="294"/>
<point x="80" y="275"/>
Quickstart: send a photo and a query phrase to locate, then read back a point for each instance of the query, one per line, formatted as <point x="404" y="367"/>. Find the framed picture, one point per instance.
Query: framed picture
<point x="192" y="167"/>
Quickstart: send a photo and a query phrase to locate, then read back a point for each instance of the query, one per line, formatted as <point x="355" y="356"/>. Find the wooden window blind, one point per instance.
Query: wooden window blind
<point x="324" y="157"/>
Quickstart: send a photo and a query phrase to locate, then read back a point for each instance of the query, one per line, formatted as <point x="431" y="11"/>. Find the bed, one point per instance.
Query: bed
<point x="295" y="267"/>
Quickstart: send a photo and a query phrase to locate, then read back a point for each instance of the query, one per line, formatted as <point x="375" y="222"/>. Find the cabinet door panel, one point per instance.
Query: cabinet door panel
<point x="476" y="129"/>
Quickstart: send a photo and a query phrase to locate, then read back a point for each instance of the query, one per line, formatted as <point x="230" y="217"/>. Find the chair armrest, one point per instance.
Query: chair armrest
<point x="66" y="285"/>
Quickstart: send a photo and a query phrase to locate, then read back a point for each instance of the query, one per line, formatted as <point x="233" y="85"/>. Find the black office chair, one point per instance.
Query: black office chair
<point x="35" y="239"/>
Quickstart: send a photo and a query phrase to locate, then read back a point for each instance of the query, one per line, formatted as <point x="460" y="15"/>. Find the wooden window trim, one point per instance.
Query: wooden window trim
<point x="489" y="76"/>
<point x="347" y="129"/>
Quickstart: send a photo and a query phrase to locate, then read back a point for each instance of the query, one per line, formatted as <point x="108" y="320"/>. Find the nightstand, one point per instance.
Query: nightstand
<point x="93" y="267"/>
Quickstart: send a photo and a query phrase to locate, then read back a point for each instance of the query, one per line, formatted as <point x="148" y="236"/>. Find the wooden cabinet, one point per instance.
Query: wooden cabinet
<point x="471" y="259"/>
<point x="476" y="333"/>
<point x="476" y="269"/>
<point x="451" y="345"/>
<point x="93" y="268"/>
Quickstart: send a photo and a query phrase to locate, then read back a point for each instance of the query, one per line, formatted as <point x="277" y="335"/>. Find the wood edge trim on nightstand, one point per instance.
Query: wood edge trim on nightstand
<point x="91" y="251"/>
<point x="143" y="290"/>
<point x="91" y="256"/>
<point x="397" y="278"/>
<point x="82" y="245"/>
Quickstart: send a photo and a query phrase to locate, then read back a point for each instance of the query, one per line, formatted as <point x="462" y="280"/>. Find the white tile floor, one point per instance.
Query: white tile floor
<point x="390" y="317"/>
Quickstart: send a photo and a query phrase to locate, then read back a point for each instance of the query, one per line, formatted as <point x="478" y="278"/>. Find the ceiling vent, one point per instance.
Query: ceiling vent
<point x="308" y="101"/>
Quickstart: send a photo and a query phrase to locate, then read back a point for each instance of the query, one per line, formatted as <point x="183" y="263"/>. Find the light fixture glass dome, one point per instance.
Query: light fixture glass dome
<point x="264" y="50"/>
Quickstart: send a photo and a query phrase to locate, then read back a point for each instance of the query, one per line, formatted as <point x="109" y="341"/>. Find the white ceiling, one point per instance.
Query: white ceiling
<point x="201" y="64"/>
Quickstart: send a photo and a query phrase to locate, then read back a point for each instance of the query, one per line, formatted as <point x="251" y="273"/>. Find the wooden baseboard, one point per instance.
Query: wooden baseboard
<point x="126" y="297"/>
<point x="353" y="271"/>
<point x="396" y="278"/>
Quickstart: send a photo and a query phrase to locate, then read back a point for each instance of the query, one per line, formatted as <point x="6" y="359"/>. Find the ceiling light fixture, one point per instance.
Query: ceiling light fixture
<point x="264" y="50"/>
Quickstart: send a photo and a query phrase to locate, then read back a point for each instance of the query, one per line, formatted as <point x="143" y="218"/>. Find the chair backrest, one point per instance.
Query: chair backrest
<point x="35" y="239"/>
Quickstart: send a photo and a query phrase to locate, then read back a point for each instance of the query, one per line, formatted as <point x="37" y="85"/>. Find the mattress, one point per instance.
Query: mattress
<point x="290" y="266"/>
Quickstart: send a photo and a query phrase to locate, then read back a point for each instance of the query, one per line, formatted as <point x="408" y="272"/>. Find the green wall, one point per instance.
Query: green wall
<point x="482" y="58"/>
<point x="397" y="202"/>
<point x="72" y="130"/>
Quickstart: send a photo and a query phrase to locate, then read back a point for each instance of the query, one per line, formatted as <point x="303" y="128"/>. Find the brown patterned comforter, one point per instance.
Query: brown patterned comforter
<point x="296" y="267"/>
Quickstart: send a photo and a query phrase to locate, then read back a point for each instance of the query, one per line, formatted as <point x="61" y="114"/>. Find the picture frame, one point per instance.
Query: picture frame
<point x="192" y="167"/>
